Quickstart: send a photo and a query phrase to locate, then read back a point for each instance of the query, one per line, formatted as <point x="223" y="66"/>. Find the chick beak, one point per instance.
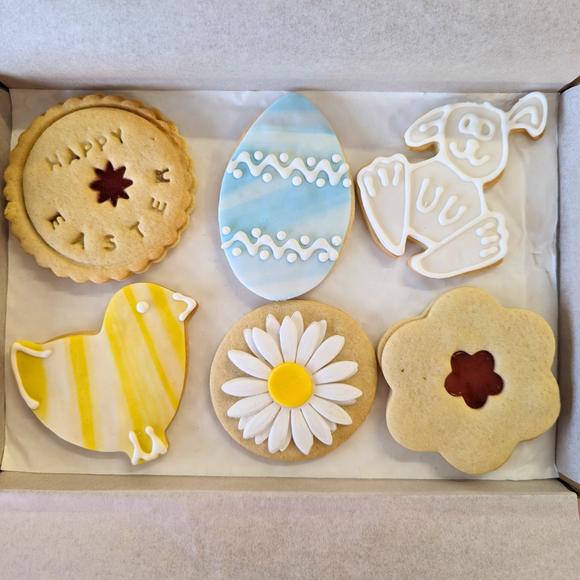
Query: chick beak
<point x="191" y="305"/>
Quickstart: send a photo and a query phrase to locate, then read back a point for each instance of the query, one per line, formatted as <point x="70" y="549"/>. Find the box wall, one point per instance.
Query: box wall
<point x="568" y="446"/>
<point x="5" y="132"/>
<point x="399" y="45"/>
<point x="447" y="530"/>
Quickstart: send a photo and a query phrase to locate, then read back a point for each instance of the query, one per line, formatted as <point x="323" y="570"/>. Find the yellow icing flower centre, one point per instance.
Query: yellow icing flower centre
<point x="290" y="385"/>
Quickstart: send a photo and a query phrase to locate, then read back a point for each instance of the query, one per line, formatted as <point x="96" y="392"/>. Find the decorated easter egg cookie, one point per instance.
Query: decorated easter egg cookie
<point x="286" y="201"/>
<point x="99" y="188"/>
<point x="470" y="379"/>
<point x="118" y="389"/>
<point x="293" y="380"/>
<point x="439" y="203"/>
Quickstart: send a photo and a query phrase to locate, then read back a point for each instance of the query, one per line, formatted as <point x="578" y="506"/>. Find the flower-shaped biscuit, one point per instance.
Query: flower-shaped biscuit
<point x="293" y="380"/>
<point x="470" y="379"/>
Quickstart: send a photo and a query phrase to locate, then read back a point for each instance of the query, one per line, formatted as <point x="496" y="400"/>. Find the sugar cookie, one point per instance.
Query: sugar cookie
<point x="470" y="379"/>
<point x="439" y="203"/>
<point x="293" y="380"/>
<point x="99" y="187"/>
<point x="286" y="201"/>
<point x="118" y="389"/>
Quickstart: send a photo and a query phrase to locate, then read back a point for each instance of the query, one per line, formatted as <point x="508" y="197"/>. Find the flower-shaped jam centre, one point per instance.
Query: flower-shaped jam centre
<point x="111" y="184"/>
<point x="472" y="378"/>
<point x="290" y="385"/>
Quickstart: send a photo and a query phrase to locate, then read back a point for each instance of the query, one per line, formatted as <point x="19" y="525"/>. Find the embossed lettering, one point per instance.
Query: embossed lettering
<point x="118" y="134"/>
<point x="72" y="156"/>
<point x="158" y="205"/>
<point x="53" y="163"/>
<point x="86" y="146"/>
<point x="101" y="141"/>
<point x="57" y="220"/>
<point x="110" y="239"/>
<point x="136" y="227"/>
<point x="80" y="241"/>
<point x="160" y="176"/>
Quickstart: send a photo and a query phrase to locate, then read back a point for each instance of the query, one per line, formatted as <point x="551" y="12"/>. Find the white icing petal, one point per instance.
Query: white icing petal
<point x="243" y="422"/>
<point x="322" y="334"/>
<point x="287" y="440"/>
<point x="261" y="421"/>
<point x="331" y="425"/>
<point x="325" y="353"/>
<point x="301" y="432"/>
<point x="335" y="372"/>
<point x="273" y="328"/>
<point x="249" y="405"/>
<point x="279" y="431"/>
<point x="288" y="340"/>
<point x="251" y="344"/>
<point x="267" y="347"/>
<point x="308" y="343"/>
<point x="317" y="424"/>
<point x="299" y="324"/>
<point x="249" y="364"/>
<point x="245" y="387"/>
<point x="337" y="392"/>
<point x="261" y="437"/>
<point x="330" y="410"/>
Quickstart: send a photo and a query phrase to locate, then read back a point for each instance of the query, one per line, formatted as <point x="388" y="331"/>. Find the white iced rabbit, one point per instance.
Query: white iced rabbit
<point x="439" y="203"/>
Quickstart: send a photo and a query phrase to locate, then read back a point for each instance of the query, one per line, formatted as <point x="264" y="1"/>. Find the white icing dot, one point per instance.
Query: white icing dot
<point x="336" y="241"/>
<point x="256" y="232"/>
<point x="226" y="230"/>
<point x="320" y="182"/>
<point x="238" y="173"/>
<point x="264" y="254"/>
<point x="267" y="177"/>
<point x="258" y="156"/>
<point x="292" y="258"/>
<point x="237" y="252"/>
<point x="142" y="307"/>
<point x="304" y="240"/>
<point x="281" y="235"/>
<point x="336" y="158"/>
<point x="323" y="257"/>
<point x="296" y="180"/>
<point x="311" y="161"/>
<point x="284" y="157"/>
<point x="347" y="183"/>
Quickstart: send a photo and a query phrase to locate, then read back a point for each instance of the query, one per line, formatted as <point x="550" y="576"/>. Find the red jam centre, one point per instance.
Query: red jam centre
<point x="111" y="184"/>
<point x="472" y="378"/>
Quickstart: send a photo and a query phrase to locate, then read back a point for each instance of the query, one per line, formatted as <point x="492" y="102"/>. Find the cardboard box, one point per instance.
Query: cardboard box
<point x="55" y="526"/>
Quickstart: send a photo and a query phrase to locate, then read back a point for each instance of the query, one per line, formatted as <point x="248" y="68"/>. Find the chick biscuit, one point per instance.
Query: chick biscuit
<point x="470" y="379"/>
<point x="99" y="188"/>
<point x="117" y="389"/>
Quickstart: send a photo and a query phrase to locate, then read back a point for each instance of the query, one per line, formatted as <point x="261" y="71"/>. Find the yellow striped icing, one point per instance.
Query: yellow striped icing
<point x="118" y="389"/>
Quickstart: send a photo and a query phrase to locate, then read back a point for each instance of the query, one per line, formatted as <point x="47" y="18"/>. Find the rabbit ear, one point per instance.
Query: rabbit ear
<point x="529" y="114"/>
<point x="427" y="129"/>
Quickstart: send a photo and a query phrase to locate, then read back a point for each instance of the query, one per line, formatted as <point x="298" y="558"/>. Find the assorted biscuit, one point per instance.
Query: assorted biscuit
<point x="101" y="187"/>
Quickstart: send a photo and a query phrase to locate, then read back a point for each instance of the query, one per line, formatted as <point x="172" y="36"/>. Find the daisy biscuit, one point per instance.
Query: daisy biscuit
<point x="470" y="379"/>
<point x="99" y="187"/>
<point x="293" y="380"/>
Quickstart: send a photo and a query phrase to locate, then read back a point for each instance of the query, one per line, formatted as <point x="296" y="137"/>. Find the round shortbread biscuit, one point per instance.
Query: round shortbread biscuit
<point x="265" y="335"/>
<point x="99" y="187"/>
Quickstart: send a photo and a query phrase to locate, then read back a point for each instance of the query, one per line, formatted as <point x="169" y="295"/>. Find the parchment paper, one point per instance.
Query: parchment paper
<point x="374" y="289"/>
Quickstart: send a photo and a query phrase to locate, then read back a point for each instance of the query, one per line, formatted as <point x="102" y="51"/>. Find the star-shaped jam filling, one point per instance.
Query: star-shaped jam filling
<point x="111" y="184"/>
<point x="472" y="378"/>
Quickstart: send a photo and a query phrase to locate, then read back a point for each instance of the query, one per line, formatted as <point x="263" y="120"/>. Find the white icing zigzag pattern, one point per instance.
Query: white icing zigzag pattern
<point x="290" y="245"/>
<point x="285" y="172"/>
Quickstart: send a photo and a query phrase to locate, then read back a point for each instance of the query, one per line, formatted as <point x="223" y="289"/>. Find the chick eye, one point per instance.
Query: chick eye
<point x="142" y="307"/>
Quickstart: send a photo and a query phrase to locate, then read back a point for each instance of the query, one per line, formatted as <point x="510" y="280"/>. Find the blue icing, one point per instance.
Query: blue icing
<point x="294" y="126"/>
